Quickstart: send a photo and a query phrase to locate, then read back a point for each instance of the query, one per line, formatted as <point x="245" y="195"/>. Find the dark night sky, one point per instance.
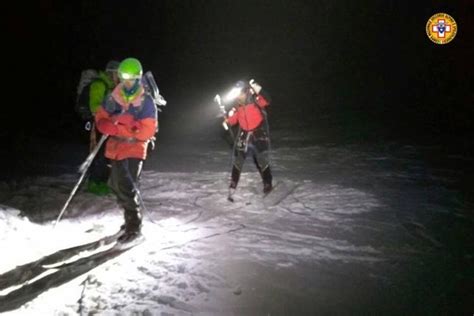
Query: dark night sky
<point x="356" y="64"/>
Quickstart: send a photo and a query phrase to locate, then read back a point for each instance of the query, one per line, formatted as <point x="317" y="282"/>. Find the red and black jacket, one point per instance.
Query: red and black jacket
<point x="249" y="116"/>
<point x="128" y="143"/>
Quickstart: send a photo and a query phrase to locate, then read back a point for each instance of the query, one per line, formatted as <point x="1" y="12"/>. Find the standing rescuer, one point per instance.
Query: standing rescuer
<point x="129" y="117"/>
<point x="93" y="88"/>
<point x="253" y="137"/>
<point x="99" y="89"/>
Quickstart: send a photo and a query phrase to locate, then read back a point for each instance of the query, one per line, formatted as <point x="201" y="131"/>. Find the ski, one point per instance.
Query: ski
<point x="27" y="284"/>
<point x="18" y="294"/>
<point x="281" y="190"/>
<point x="84" y="256"/>
<point x="26" y="272"/>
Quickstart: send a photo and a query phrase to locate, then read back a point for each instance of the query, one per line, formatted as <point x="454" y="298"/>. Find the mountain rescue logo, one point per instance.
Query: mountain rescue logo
<point x="441" y="28"/>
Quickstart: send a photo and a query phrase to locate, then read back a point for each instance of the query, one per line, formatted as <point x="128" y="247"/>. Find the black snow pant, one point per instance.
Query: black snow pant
<point x="124" y="178"/>
<point x="256" y="144"/>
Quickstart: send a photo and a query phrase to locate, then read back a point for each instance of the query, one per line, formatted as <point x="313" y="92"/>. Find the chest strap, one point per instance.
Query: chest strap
<point x="125" y="139"/>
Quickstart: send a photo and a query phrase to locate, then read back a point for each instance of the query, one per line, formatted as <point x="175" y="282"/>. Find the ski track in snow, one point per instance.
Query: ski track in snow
<point x="192" y="231"/>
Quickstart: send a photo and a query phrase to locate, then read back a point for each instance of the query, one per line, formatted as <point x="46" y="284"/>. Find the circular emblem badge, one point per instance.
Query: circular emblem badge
<point x="441" y="28"/>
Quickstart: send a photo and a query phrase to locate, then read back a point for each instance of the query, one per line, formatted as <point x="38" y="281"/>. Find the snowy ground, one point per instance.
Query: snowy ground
<point x="379" y="229"/>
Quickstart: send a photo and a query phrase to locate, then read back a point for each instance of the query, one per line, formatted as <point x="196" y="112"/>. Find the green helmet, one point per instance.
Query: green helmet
<point x="130" y="68"/>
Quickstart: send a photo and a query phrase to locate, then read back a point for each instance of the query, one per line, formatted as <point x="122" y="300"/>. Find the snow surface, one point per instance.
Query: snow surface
<point x="357" y="233"/>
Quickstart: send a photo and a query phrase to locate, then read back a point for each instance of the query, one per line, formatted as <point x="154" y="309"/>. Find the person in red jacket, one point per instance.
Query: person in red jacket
<point x="129" y="117"/>
<point x="252" y="139"/>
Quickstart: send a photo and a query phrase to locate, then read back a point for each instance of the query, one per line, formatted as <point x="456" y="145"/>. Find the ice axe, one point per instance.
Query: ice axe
<point x="83" y="170"/>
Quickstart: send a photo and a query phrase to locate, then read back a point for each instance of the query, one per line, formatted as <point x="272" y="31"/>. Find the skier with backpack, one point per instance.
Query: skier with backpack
<point x="129" y="116"/>
<point x="253" y="137"/>
<point x="93" y="87"/>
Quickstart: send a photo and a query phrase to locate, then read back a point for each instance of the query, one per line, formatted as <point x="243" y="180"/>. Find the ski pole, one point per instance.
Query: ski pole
<point x="83" y="170"/>
<point x="86" y="164"/>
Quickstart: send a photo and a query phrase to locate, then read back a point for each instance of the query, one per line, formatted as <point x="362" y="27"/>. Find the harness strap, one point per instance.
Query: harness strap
<point x="125" y="139"/>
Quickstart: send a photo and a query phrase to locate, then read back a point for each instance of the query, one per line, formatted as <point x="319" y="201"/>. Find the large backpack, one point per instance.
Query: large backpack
<point x="83" y="89"/>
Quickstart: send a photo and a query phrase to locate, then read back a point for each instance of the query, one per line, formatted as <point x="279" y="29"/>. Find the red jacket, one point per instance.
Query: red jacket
<point x="249" y="116"/>
<point x="131" y="141"/>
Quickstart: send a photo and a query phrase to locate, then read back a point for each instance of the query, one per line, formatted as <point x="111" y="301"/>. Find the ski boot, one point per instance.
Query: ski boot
<point x="267" y="188"/>
<point x="267" y="180"/>
<point x="129" y="235"/>
<point x="130" y="231"/>
<point x="230" y="197"/>
<point x="234" y="180"/>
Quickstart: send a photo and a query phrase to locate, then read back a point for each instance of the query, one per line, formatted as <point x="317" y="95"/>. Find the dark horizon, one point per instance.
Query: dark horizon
<point x="364" y="73"/>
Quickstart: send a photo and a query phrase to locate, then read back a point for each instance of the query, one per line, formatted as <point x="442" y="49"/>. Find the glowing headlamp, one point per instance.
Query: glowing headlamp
<point x="125" y="76"/>
<point x="232" y="94"/>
